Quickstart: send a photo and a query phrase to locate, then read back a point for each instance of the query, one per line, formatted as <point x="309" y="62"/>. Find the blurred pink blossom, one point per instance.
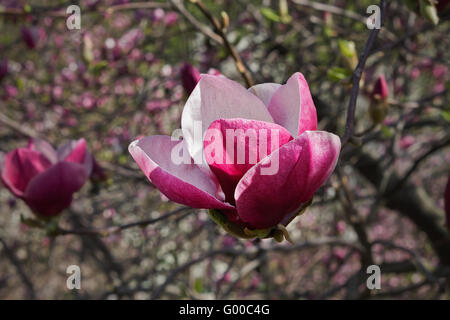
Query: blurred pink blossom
<point x="46" y="178"/>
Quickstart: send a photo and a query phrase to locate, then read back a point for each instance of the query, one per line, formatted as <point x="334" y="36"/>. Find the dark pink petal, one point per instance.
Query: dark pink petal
<point x="51" y="191"/>
<point x="233" y="146"/>
<point x="3" y="68"/>
<point x="182" y="182"/>
<point x="76" y="151"/>
<point x="380" y="89"/>
<point x="30" y="36"/>
<point x="292" y="106"/>
<point x="44" y="148"/>
<point x="98" y="174"/>
<point x="189" y="77"/>
<point x="304" y="164"/>
<point x="216" y="97"/>
<point x="19" y="167"/>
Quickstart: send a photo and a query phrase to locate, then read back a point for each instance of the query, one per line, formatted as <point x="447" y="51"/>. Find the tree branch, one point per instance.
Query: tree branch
<point x="356" y="78"/>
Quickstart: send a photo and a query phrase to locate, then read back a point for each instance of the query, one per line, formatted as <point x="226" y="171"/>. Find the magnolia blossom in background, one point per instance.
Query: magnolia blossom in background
<point x="46" y="178"/>
<point x="32" y="36"/>
<point x="3" y="68"/>
<point x="189" y="77"/>
<point x="242" y="192"/>
<point x="406" y="141"/>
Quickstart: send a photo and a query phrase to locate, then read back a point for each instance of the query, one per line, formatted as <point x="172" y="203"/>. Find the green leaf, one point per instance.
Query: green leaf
<point x="337" y="74"/>
<point x="387" y="132"/>
<point x="429" y="11"/>
<point x="98" y="67"/>
<point x="270" y="14"/>
<point x="198" y="285"/>
<point x="328" y="31"/>
<point x="347" y="48"/>
<point x="446" y="115"/>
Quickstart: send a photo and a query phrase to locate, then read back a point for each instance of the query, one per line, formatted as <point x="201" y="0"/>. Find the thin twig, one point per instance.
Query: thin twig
<point x="60" y="11"/>
<point x="356" y="77"/>
<point x="441" y="144"/>
<point x="412" y="253"/>
<point x="15" y="261"/>
<point x="221" y="31"/>
<point x="251" y="252"/>
<point x="192" y="20"/>
<point x="116" y="229"/>
<point x="19" y="127"/>
<point x="330" y="8"/>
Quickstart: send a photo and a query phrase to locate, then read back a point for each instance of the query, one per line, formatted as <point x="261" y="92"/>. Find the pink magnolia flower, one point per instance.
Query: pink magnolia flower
<point x="3" y="68"/>
<point x="243" y="191"/>
<point x="406" y="141"/>
<point x="189" y="77"/>
<point x="46" y="178"/>
<point x="130" y="40"/>
<point x="32" y="36"/>
<point x="170" y="18"/>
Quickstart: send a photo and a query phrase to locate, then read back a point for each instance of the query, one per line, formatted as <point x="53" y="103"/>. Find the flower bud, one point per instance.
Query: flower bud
<point x="3" y="68"/>
<point x="429" y="11"/>
<point x="378" y="105"/>
<point x="88" y="48"/>
<point x="97" y="174"/>
<point x="380" y="90"/>
<point x="189" y="77"/>
<point x="348" y="53"/>
<point x="30" y="37"/>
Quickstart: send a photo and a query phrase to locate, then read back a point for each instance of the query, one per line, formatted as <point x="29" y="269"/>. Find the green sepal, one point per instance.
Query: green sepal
<point x="258" y="233"/>
<point x="237" y="230"/>
<point x="230" y="227"/>
<point x="32" y="223"/>
<point x="245" y="233"/>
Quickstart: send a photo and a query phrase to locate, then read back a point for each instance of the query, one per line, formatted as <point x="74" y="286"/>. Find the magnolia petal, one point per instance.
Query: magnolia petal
<point x="20" y="166"/>
<point x="51" y="191"/>
<point x="44" y="148"/>
<point x="264" y="196"/>
<point x="265" y="91"/>
<point x="184" y="183"/>
<point x="292" y="106"/>
<point x="216" y="97"/>
<point x="76" y="151"/>
<point x="233" y="146"/>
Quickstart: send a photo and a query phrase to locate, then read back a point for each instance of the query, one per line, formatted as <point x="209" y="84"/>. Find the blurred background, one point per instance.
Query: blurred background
<point x="120" y="77"/>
